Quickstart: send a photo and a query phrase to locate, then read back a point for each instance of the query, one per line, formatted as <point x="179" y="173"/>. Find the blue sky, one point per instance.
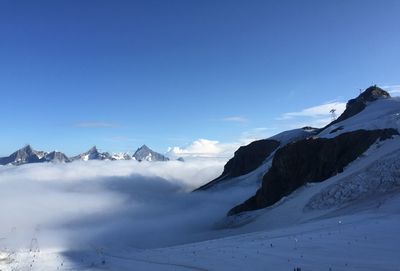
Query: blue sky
<point x="118" y="74"/>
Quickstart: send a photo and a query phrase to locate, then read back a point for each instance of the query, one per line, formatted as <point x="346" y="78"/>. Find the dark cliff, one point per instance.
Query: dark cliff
<point x="310" y="160"/>
<point x="246" y="159"/>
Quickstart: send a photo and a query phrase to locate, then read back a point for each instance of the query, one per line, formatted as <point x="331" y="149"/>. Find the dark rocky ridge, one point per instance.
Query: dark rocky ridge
<point x="355" y="106"/>
<point x="310" y="160"/>
<point x="246" y="159"/>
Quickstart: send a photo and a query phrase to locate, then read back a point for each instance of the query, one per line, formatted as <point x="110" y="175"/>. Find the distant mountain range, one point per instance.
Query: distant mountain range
<point x="28" y="155"/>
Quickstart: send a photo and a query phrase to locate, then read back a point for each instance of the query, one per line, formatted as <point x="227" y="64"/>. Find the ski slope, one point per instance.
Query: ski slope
<point x="365" y="241"/>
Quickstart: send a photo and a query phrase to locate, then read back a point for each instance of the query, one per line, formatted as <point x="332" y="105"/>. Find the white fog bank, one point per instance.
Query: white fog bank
<point x="119" y="203"/>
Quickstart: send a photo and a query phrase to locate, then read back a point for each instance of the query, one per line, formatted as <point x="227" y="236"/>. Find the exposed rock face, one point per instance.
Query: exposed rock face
<point x="57" y="157"/>
<point x="355" y="106"/>
<point x="28" y="155"/>
<point x="24" y="156"/>
<point x="92" y="154"/>
<point x="310" y="160"/>
<point x="144" y="153"/>
<point x="246" y="159"/>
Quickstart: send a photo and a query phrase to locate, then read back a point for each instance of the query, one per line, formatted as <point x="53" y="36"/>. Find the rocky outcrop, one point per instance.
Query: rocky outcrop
<point x="355" y="106"/>
<point x="246" y="159"/>
<point x="310" y="160"/>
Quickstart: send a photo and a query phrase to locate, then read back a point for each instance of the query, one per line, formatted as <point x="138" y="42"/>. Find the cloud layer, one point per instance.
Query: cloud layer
<point x="205" y="148"/>
<point x="120" y="203"/>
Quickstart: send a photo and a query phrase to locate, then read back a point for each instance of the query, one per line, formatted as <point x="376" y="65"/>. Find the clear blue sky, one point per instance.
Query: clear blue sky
<point x="118" y="74"/>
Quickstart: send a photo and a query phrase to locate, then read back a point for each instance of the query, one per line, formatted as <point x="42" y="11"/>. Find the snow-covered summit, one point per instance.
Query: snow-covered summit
<point x="378" y="114"/>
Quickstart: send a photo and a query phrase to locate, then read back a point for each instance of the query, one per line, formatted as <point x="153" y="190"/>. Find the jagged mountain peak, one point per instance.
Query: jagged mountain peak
<point x="57" y="157"/>
<point x="22" y="156"/>
<point x="27" y="148"/>
<point x="93" y="149"/>
<point x="27" y="151"/>
<point x="92" y="154"/>
<point x="144" y="153"/>
<point x="144" y="147"/>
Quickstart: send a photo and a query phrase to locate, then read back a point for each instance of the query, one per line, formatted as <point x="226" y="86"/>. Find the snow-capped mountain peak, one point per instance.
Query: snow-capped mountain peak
<point x="92" y="154"/>
<point x="57" y="157"/>
<point x="28" y="149"/>
<point x="144" y="153"/>
<point x="93" y="150"/>
<point x="28" y="155"/>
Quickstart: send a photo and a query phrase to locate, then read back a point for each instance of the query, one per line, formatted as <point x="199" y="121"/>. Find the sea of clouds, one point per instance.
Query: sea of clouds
<point x="111" y="203"/>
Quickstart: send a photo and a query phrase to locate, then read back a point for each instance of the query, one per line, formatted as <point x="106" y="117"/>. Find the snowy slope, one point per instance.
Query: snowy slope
<point x="364" y="241"/>
<point x="380" y="114"/>
<point x="355" y="186"/>
<point x="341" y="243"/>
